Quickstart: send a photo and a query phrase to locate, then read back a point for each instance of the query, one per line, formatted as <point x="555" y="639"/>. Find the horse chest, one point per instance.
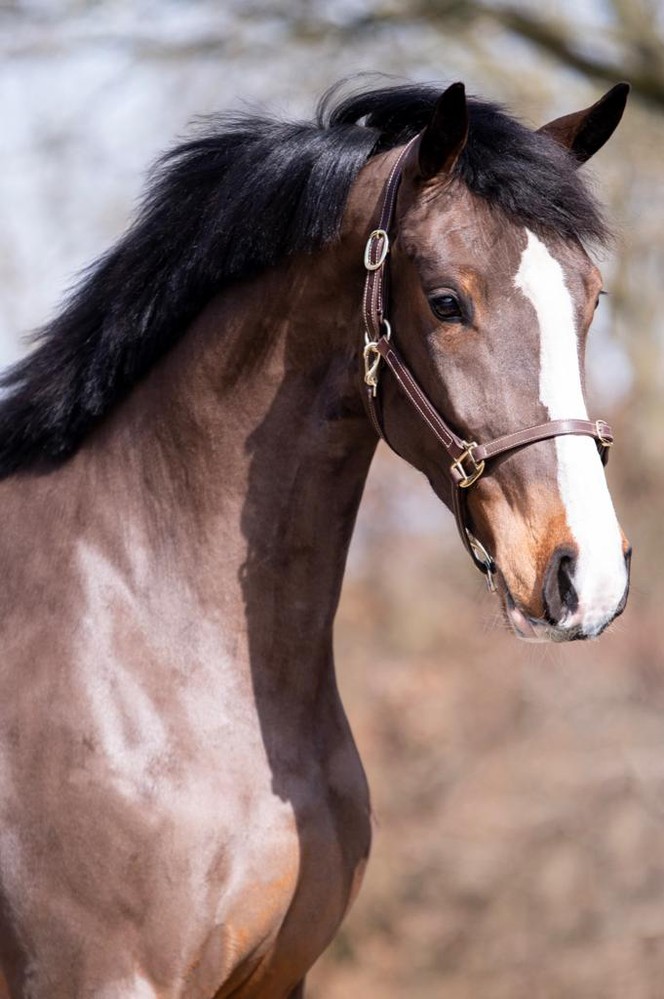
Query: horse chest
<point x="285" y="875"/>
<point x="228" y="858"/>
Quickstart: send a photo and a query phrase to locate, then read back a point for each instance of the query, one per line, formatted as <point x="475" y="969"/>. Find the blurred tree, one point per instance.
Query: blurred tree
<point x="520" y="852"/>
<point x="620" y="39"/>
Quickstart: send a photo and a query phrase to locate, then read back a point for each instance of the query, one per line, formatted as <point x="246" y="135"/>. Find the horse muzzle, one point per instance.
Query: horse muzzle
<point x="574" y="607"/>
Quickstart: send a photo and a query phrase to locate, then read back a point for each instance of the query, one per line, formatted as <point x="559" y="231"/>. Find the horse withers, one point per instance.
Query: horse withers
<point x="183" y="810"/>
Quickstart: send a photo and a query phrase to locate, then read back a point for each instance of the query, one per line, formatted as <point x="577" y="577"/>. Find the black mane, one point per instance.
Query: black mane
<point x="243" y="194"/>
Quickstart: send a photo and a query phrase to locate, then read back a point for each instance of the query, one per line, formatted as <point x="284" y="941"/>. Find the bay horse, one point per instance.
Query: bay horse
<point x="183" y="809"/>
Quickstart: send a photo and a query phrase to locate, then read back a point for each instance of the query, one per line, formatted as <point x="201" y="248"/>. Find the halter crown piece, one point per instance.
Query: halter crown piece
<point x="464" y="461"/>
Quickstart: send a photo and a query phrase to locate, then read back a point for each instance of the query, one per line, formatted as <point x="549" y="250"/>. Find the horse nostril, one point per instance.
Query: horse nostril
<point x="560" y="597"/>
<point x="565" y="585"/>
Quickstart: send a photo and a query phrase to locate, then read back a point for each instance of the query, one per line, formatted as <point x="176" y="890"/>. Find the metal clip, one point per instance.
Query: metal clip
<point x="483" y="557"/>
<point x="604" y="441"/>
<point x="372" y="363"/>
<point x="477" y="469"/>
<point x="372" y="358"/>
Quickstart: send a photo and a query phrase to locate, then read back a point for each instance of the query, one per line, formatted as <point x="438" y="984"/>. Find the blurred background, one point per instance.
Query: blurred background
<point x="518" y="790"/>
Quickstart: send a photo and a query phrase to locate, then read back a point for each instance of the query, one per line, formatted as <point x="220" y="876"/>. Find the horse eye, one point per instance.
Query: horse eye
<point x="446" y="307"/>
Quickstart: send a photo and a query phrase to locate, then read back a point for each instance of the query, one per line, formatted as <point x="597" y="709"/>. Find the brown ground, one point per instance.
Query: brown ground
<point x="518" y="790"/>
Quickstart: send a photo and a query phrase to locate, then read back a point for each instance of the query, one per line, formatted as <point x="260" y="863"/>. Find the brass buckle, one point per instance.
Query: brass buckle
<point x="604" y="441"/>
<point x="373" y="265"/>
<point x="475" y="472"/>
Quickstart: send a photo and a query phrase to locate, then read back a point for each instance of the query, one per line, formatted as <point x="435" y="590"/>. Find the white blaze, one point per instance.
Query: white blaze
<point x="600" y="577"/>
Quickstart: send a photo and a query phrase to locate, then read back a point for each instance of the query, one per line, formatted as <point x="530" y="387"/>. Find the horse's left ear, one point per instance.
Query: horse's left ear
<point x="584" y="132"/>
<point x="442" y="141"/>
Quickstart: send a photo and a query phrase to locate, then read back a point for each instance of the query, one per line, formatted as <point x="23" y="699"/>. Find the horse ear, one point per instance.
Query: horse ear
<point x="584" y="132"/>
<point x="442" y="141"/>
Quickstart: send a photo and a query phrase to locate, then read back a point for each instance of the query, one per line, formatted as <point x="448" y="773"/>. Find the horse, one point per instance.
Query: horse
<point x="183" y="809"/>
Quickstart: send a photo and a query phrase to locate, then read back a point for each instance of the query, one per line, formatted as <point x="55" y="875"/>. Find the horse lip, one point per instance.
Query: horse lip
<point x="532" y="629"/>
<point x="523" y="626"/>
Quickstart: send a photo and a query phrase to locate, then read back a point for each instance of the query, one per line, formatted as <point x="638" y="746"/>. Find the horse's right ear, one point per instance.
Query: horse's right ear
<point x="442" y="141"/>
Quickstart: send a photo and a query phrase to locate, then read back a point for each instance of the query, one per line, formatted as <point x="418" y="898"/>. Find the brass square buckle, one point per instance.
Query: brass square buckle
<point x="477" y="467"/>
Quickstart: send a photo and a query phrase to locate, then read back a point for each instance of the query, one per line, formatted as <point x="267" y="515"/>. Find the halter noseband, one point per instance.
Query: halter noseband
<point x="468" y="459"/>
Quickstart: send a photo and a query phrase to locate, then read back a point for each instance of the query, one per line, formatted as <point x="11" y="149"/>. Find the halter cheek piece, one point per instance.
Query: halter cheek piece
<point x="467" y="459"/>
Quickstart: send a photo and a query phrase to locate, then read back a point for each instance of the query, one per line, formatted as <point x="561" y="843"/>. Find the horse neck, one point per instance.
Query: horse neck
<point x="242" y="458"/>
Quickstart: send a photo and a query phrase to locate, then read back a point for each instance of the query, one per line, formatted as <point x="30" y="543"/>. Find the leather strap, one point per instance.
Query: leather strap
<point x="456" y="447"/>
<point x="467" y="460"/>
<point x="600" y="430"/>
<point x="377" y="250"/>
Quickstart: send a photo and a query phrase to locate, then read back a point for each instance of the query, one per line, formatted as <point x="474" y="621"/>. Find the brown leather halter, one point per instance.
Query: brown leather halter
<point x="468" y="459"/>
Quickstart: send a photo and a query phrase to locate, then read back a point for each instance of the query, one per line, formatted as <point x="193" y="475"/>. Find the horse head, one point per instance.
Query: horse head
<point x="491" y="303"/>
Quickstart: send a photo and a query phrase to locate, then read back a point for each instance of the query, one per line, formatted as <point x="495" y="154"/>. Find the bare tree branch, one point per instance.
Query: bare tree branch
<point x="644" y="73"/>
<point x="640" y="48"/>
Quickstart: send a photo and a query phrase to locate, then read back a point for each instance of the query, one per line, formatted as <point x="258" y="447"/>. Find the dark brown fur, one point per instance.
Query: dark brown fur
<point x="184" y="813"/>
